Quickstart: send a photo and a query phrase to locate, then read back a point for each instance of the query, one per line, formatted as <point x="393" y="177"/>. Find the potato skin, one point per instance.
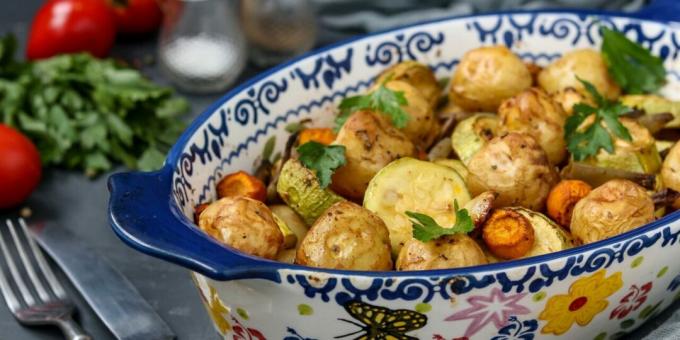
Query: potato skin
<point x="609" y="210"/>
<point x="422" y="127"/>
<point x="588" y="65"/>
<point x="371" y="143"/>
<point x="417" y="75"/>
<point x="486" y="76"/>
<point x="347" y="236"/>
<point x="451" y="251"/>
<point x="244" y="224"/>
<point x="534" y="113"/>
<point x="515" y="167"/>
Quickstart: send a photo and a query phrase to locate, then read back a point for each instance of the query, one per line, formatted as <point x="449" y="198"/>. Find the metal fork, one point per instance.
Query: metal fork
<point x="50" y="307"/>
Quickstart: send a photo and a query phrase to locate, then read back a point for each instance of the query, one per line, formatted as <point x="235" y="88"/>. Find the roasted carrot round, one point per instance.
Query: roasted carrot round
<point x="508" y="234"/>
<point x="320" y="135"/>
<point x="563" y="197"/>
<point x="242" y="184"/>
<point x="198" y="210"/>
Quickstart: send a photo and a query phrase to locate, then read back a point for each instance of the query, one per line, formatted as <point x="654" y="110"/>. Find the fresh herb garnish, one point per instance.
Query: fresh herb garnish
<point x="268" y="149"/>
<point x="323" y="159"/>
<point x="88" y="113"/>
<point x="632" y="66"/>
<point x="382" y="99"/>
<point x="584" y="142"/>
<point x="425" y="228"/>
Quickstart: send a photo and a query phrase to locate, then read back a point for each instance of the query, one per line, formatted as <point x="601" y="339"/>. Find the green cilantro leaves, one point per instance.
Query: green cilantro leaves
<point x="632" y="66"/>
<point x="382" y="99"/>
<point x="586" y="142"/>
<point x="323" y="159"/>
<point x="425" y="228"/>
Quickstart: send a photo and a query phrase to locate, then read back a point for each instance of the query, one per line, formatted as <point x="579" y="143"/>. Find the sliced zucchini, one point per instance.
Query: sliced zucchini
<point x="472" y="133"/>
<point x="455" y="164"/>
<point x="652" y="104"/>
<point x="289" y="237"/>
<point x="292" y="226"/>
<point x="549" y="236"/>
<point x="300" y="189"/>
<point x="409" y="184"/>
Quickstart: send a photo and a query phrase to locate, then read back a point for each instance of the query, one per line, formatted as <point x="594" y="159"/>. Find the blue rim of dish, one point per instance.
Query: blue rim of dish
<point x="266" y="266"/>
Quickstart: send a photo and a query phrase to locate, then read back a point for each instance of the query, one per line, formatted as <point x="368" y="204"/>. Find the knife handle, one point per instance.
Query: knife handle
<point x="72" y="330"/>
<point x="143" y="213"/>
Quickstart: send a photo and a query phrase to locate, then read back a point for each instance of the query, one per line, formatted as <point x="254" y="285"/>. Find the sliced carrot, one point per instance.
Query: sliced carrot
<point x="242" y="184"/>
<point x="563" y="197"/>
<point x="320" y="135"/>
<point x="422" y="154"/>
<point x="508" y="234"/>
<point x="198" y="210"/>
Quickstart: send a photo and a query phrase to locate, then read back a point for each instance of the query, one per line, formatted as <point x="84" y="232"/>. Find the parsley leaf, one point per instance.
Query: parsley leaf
<point x="425" y="228"/>
<point x="382" y="99"/>
<point x="632" y="66"/>
<point x="586" y="142"/>
<point x="323" y="159"/>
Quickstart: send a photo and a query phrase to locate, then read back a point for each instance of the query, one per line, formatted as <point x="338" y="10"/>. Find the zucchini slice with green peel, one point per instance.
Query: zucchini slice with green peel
<point x="409" y="184"/>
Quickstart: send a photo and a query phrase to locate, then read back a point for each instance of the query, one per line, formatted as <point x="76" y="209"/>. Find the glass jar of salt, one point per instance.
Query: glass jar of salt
<point x="201" y="47"/>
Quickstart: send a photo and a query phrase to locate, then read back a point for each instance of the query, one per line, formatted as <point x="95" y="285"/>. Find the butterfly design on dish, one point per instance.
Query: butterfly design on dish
<point x="382" y="323"/>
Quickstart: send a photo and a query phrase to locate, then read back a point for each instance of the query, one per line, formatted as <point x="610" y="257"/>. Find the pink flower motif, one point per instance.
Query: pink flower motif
<point x="631" y="301"/>
<point x="243" y="333"/>
<point x="495" y="308"/>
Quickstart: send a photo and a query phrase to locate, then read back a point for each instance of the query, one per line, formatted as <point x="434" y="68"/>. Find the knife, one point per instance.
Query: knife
<point x="115" y="300"/>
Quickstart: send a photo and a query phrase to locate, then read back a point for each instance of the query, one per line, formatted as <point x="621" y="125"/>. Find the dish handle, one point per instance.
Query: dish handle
<point x="143" y="214"/>
<point x="664" y="10"/>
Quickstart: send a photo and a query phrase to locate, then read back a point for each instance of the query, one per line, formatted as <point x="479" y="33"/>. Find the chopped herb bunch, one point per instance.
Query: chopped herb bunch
<point x="87" y="113"/>
<point x="323" y="159"/>
<point x="632" y="66"/>
<point x="584" y="142"/>
<point x="382" y="99"/>
<point x="425" y="228"/>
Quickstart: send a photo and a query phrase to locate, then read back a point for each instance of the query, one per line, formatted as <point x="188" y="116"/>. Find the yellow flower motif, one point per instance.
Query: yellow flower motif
<point x="587" y="297"/>
<point x="218" y="311"/>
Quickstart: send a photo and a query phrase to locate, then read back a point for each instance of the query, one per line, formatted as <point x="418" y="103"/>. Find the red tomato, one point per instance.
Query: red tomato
<point x="69" y="26"/>
<point x="137" y="16"/>
<point x="19" y="167"/>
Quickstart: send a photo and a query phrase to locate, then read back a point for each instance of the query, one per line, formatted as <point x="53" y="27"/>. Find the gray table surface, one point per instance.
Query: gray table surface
<point x="80" y="205"/>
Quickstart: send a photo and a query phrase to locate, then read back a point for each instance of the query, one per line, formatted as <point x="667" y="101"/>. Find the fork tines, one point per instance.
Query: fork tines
<point x="14" y="301"/>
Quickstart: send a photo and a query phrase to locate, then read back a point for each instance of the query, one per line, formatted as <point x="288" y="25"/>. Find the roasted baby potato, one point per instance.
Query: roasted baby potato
<point x="534" y="113"/>
<point x="514" y="166"/>
<point x="422" y="127"/>
<point x="417" y="75"/>
<point x="472" y="133"/>
<point x="371" y="142"/>
<point x="586" y="64"/>
<point x="486" y="76"/>
<point x="244" y="224"/>
<point x="639" y="155"/>
<point x="451" y="251"/>
<point x="300" y="189"/>
<point x="346" y="236"/>
<point x="568" y="97"/>
<point x="611" y="209"/>
<point x="409" y="184"/>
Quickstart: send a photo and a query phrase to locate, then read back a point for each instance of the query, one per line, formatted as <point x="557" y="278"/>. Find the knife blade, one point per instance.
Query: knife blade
<point x="113" y="298"/>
